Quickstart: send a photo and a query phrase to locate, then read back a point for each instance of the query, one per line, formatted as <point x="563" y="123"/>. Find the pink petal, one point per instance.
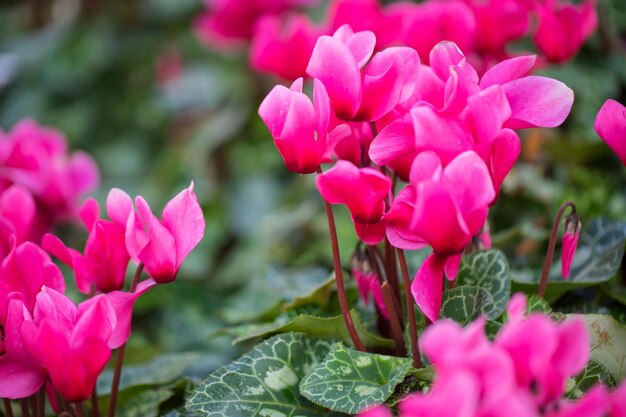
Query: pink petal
<point x="138" y="228"/>
<point x="462" y="84"/>
<point x="610" y="125"/>
<point x="444" y="56"/>
<point x="489" y="110"/>
<point x="19" y="379"/>
<point x="399" y="219"/>
<point x="119" y="206"/>
<point x="508" y="70"/>
<point x="274" y="108"/>
<point x="122" y="303"/>
<point x="572" y="353"/>
<point x="538" y="102"/>
<point x="370" y="233"/>
<point x="569" y="243"/>
<point x="90" y="213"/>
<point x="18" y="207"/>
<point x="427" y="286"/>
<point x="503" y="154"/>
<point x="468" y="182"/>
<point x="451" y="268"/>
<point x="321" y="103"/>
<point x="334" y="65"/>
<point x="95" y="318"/>
<point x="393" y="142"/>
<point x="426" y="167"/>
<point x="184" y="218"/>
<point x="84" y="172"/>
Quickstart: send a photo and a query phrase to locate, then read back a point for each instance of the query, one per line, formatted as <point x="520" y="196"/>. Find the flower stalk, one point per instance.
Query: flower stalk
<point x="396" y="327"/>
<point x="8" y="409"/>
<point x="119" y="360"/>
<point x="410" y="309"/>
<point x="543" y="282"/>
<point x="341" y="291"/>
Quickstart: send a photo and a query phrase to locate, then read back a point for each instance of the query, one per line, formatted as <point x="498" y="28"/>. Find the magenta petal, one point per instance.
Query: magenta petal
<point x="504" y="152"/>
<point x="427" y="286"/>
<point x="18" y="207"/>
<point x="90" y="213"/>
<point x="334" y="65"/>
<point x="184" y="218"/>
<point x="393" y="142"/>
<point x="383" y="84"/>
<point x="572" y="352"/>
<point x="508" y="70"/>
<point x="468" y="182"/>
<point x="159" y="259"/>
<point x="570" y="241"/>
<point x="452" y="267"/>
<point x="321" y="103"/>
<point x="56" y="247"/>
<point x="489" y="110"/>
<point x="611" y="127"/>
<point x="362" y="45"/>
<point x="444" y="56"/>
<point x="95" y="318"/>
<point x="538" y="102"/>
<point x="274" y="108"/>
<point x="122" y="303"/>
<point x="370" y="233"/>
<point x="19" y="379"/>
<point x="426" y="167"/>
<point x="119" y="206"/>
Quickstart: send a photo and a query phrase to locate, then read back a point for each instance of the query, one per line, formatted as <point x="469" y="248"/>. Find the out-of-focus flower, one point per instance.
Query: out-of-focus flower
<point x="282" y="46"/>
<point x="564" y="27"/>
<point x="570" y="242"/>
<point x="363" y="191"/>
<point x="17" y="215"/>
<point x="366" y="15"/>
<point x="163" y="244"/>
<point x="611" y="127"/>
<point x="299" y="127"/>
<point x="37" y="158"/>
<point x="105" y="257"/>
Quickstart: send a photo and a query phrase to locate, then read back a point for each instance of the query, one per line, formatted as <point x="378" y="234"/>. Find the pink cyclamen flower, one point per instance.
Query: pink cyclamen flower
<point x="299" y="127"/>
<point x="283" y="46"/>
<point x="17" y="216"/>
<point x="368" y="284"/>
<point x="564" y="27"/>
<point x="70" y="342"/>
<point x="451" y="208"/>
<point x="570" y="241"/>
<point x="105" y="259"/>
<point x="611" y="127"/>
<point x="360" y="89"/>
<point x="23" y="272"/>
<point x="163" y="244"/>
<point x="363" y="191"/>
<point x="37" y="158"/>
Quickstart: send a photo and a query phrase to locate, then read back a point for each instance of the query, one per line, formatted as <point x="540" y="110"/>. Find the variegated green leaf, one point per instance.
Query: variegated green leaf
<point x="592" y="374"/>
<point x="466" y="304"/>
<point x="608" y="343"/>
<point x="349" y="381"/>
<point x="490" y="271"/>
<point x="263" y="382"/>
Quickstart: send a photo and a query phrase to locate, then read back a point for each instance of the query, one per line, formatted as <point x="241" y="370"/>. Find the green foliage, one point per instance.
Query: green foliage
<point x="490" y="271"/>
<point x="349" y="381"/>
<point x="593" y="374"/>
<point x="263" y="382"/>
<point x="465" y="304"/>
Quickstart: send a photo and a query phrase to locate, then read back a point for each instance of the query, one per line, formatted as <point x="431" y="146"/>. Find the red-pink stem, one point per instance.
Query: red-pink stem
<point x="396" y="327"/>
<point x="410" y="309"/>
<point x="341" y="291"/>
<point x="119" y="360"/>
<point x="545" y="273"/>
<point x="8" y="409"/>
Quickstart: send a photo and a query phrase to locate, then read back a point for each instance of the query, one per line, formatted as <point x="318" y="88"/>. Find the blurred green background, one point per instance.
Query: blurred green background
<point x="127" y="81"/>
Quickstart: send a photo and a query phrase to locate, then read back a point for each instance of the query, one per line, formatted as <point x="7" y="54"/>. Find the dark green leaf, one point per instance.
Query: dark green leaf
<point x="466" y="304"/>
<point x="592" y="374"/>
<point x="349" y="381"/>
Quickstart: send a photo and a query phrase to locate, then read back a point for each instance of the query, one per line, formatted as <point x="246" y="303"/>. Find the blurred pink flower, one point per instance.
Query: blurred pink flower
<point x="282" y="45"/>
<point x="564" y="27"/>
<point x="17" y="216"/>
<point x="299" y="127"/>
<point x="366" y="15"/>
<point x="611" y="127"/>
<point x="368" y="283"/>
<point x="37" y="158"/>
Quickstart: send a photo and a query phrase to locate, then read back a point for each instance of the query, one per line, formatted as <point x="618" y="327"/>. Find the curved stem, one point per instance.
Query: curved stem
<point x="341" y="291"/>
<point x="410" y="308"/>
<point x="543" y="283"/>
<point x="396" y="327"/>
<point x="8" y="409"/>
<point x="119" y="360"/>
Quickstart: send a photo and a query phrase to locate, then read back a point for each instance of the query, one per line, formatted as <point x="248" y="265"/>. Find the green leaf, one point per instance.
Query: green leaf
<point x="263" y="382"/>
<point x="597" y="260"/>
<point x="536" y="304"/>
<point x="349" y="381"/>
<point x="608" y="343"/>
<point x="590" y="376"/>
<point x="490" y="271"/>
<point x="318" y="327"/>
<point x="466" y="304"/>
<point x="161" y="370"/>
<point x="145" y="404"/>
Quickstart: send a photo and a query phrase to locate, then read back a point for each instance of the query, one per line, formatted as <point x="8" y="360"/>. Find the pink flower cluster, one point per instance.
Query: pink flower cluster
<point x="523" y="372"/>
<point x="282" y="39"/>
<point x="441" y="128"/>
<point x="40" y="182"/>
<point x="45" y="336"/>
